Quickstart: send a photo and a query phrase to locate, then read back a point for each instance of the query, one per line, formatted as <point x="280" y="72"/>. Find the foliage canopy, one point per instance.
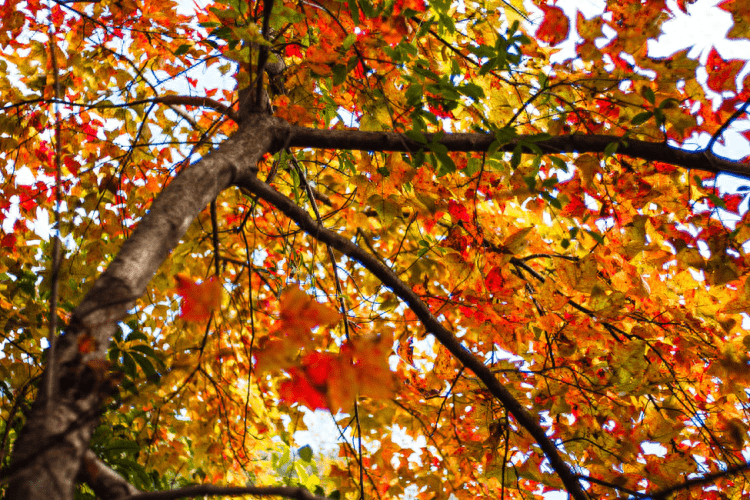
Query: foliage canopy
<point x="436" y="227"/>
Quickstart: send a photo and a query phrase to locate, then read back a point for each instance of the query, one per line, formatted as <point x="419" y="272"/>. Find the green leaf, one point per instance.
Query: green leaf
<point x="648" y="94"/>
<point x="305" y="453"/>
<point x="515" y="160"/>
<point x="717" y="201"/>
<point x="472" y="90"/>
<point x="611" y="148"/>
<point x="136" y="335"/>
<point x="339" y="73"/>
<point x="128" y="364"/>
<point x="559" y="163"/>
<point x="354" y="10"/>
<point x="416" y="136"/>
<point x="641" y="118"/>
<point x="349" y="41"/>
<point x="414" y="94"/>
<point x="597" y="237"/>
<point x="182" y="49"/>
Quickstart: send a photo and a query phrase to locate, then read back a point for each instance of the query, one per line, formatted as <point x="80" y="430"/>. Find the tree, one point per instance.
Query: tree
<point x="414" y="218"/>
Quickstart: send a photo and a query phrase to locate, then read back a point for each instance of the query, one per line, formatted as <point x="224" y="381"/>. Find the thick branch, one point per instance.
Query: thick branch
<point x="106" y="483"/>
<point x="433" y="326"/>
<point x="577" y="143"/>
<point x="228" y="491"/>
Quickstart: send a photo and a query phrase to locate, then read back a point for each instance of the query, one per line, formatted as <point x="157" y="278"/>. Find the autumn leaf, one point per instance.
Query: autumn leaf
<point x="722" y="74"/>
<point x="733" y="201"/>
<point x="198" y="300"/>
<point x="555" y="27"/>
<point x="300" y="312"/>
<point x="301" y="390"/>
<point x="333" y="381"/>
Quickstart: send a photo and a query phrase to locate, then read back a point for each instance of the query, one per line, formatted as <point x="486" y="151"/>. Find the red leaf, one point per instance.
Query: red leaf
<point x="458" y="211"/>
<point x="292" y="50"/>
<point x="733" y="201"/>
<point x="318" y="367"/>
<point x="494" y="280"/>
<point x="575" y="208"/>
<point x="8" y="241"/>
<point x="300" y="390"/>
<point x="199" y="300"/>
<point x="722" y="74"/>
<point x="555" y="27"/>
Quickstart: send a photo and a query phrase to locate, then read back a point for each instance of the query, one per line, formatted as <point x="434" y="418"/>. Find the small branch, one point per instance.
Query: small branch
<point x="228" y="491"/>
<point x="184" y="100"/>
<point x="613" y="486"/>
<point x="741" y="111"/>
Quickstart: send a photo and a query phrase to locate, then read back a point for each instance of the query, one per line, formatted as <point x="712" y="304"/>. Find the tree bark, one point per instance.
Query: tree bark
<point x="575" y="143"/>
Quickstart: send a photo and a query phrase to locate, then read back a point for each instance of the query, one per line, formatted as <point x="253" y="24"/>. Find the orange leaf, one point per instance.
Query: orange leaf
<point x="199" y="300"/>
<point x="300" y="311"/>
<point x="555" y="27"/>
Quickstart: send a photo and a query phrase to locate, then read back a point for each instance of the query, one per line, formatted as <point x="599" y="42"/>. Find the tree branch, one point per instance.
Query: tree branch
<point x="106" y="483"/>
<point x="576" y="143"/>
<point x="432" y="325"/>
<point x="228" y="491"/>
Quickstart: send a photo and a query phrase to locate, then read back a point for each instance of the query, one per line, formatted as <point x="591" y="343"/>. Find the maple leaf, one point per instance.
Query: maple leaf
<point x="301" y="390"/>
<point x="722" y="74"/>
<point x="733" y="201"/>
<point x="198" y="300"/>
<point x="300" y="312"/>
<point x="494" y="280"/>
<point x="555" y="27"/>
<point x="458" y="211"/>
